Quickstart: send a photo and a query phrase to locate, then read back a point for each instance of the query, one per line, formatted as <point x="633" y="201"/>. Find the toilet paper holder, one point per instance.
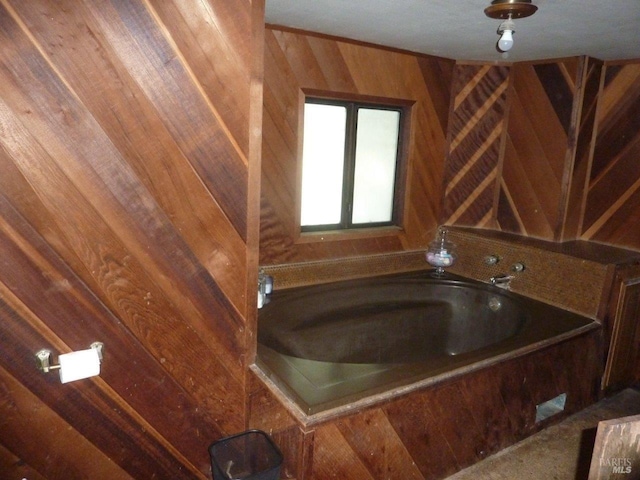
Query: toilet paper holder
<point x="43" y="357"/>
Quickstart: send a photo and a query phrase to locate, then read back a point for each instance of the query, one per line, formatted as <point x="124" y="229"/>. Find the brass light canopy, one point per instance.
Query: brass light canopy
<point x="513" y="9"/>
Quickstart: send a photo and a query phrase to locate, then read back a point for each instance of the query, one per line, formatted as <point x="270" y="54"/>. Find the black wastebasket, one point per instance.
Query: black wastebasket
<point x="249" y="455"/>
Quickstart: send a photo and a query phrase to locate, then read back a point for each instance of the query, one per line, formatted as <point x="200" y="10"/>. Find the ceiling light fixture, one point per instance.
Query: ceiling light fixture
<point x="506" y="31"/>
<point x="507" y="10"/>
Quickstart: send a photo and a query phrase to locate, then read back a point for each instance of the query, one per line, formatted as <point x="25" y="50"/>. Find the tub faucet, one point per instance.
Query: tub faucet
<point x="265" y="287"/>
<point x="501" y="280"/>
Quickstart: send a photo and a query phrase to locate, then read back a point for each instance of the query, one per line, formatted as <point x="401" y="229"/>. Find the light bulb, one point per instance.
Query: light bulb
<point x="506" y="41"/>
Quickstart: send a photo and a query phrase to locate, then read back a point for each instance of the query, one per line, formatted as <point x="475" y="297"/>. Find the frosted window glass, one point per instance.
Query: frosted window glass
<point x="375" y="171"/>
<point x="322" y="164"/>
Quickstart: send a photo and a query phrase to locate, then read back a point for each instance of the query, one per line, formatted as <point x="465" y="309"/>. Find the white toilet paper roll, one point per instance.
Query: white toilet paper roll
<point x="79" y="365"/>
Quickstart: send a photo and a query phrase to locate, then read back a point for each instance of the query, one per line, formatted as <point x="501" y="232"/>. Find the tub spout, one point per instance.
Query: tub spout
<point x="499" y="280"/>
<point x="265" y="287"/>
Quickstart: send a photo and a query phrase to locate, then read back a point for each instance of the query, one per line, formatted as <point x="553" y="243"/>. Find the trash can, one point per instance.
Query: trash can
<point x="249" y="455"/>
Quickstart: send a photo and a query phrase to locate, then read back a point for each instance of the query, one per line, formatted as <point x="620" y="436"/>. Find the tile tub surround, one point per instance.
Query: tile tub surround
<point x="571" y="275"/>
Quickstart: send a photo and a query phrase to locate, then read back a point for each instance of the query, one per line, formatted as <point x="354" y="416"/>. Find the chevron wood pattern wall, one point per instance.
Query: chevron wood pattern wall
<point x="128" y="157"/>
<point x="539" y="128"/>
<point x="579" y="158"/>
<point x="476" y="133"/>
<point x="129" y="172"/>
<point x="612" y="213"/>
<point x="518" y="153"/>
<point x="296" y="62"/>
<point x="571" y="160"/>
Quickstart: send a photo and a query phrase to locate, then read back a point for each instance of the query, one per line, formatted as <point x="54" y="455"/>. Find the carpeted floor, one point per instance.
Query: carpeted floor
<point x="560" y="452"/>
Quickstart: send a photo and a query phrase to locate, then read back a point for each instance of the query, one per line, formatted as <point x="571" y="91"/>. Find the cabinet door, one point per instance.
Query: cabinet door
<point x="621" y="369"/>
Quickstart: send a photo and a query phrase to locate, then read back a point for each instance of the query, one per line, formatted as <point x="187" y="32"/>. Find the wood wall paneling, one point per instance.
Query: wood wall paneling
<point x="29" y="427"/>
<point x="128" y="207"/>
<point x="146" y="135"/>
<point x="267" y="413"/>
<point x="296" y="62"/>
<point x="128" y="138"/>
<point x="45" y="295"/>
<point x="612" y="212"/>
<point x="476" y="128"/>
<point x="539" y="127"/>
<point x="578" y="171"/>
<point x="571" y="153"/>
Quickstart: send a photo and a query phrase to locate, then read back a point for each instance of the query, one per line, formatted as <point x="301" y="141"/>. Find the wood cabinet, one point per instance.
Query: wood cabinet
<point x="622" y="367"/>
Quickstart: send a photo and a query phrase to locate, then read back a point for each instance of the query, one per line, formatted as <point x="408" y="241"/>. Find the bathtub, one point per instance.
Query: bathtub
<point x="335" y="345"/>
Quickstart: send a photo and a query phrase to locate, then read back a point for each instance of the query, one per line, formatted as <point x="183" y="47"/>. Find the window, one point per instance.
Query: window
<point x="350" y="165"/>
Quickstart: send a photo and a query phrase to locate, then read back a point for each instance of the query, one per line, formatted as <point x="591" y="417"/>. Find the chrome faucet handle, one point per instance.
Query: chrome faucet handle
<point x="491" y="259"/>
<point x="518" y="267"/>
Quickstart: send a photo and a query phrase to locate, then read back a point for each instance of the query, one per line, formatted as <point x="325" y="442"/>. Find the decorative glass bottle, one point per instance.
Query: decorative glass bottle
<point x="441" y="253"/>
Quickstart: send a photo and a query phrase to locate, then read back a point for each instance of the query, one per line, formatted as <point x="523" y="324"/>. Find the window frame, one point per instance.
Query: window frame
<point x="352" y="104"/>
